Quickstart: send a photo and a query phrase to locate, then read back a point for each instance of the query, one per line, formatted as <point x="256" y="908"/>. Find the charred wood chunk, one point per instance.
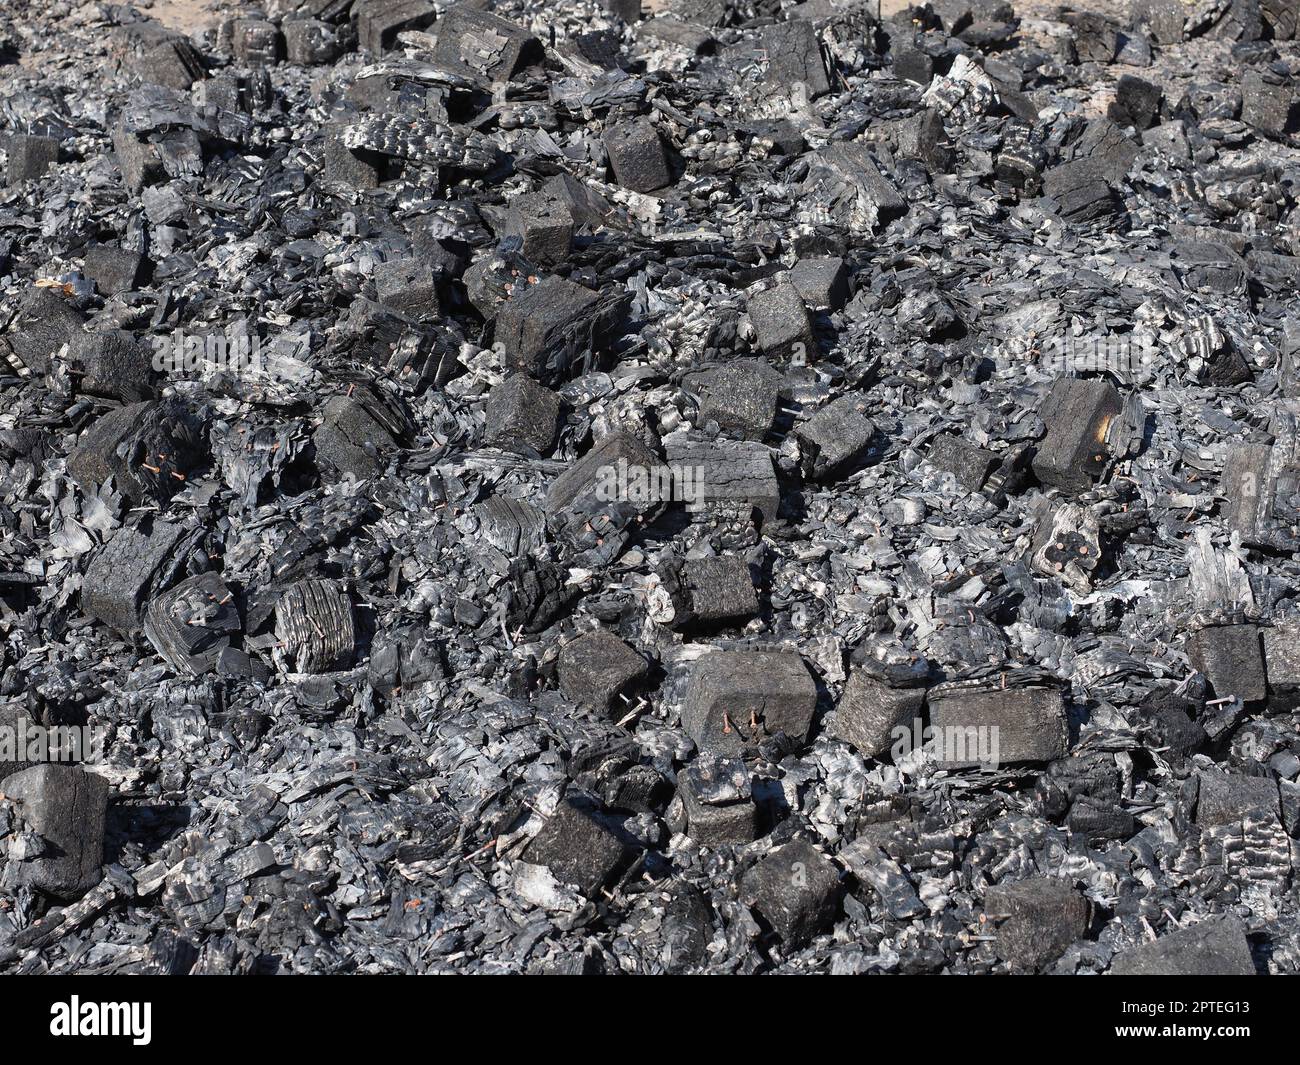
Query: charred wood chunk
<point x="310" y="42"/>
<point x="1216" y="946"/>
<point x="1107" y="148"/>
<point x="33" y="738"/>
<point x="638" y="155"/>
<point x="979" y="723"/>
<point x="870" y="711"/>
<point x="1231" y="657"/>
<point x="794" y="58"/>
<point x="539" y="596"/>
<point x="146" y="448"/>
<point x="1229" y="798"/>
<point x="1079" y="192"/>
<point x="718" y="591"/>
<point x="174" y="63"/>
<point x="30" y="157"/>
<point x="1265" y="107"/>
<point x="544" y="224"/>
<point x="1164" y="19"/>
<point x="845" y="187"/>
<point x="1098" y="821"/>
<point x="922" y="137"/>
<point x="65" y="806"/>
<point x="1036" y="919"/>
<point x="795" y="890"/>
<point x="909" y="62"/>
<point x="257" y="42"/>
<point x="672" y="31"/>
<point x="717" y="801"/>
<point x="596" y="668"/>
<point x="781" y="323"/>
<point x="350" y="168"/>
<point x="380" y="21"/>
<point x="1282" y="17"/>
<point x="1096" y="38"/>
<point x="821" y="282"/>
<point x="740" y="396"/>
<point x="836" y="438"/>
<point x="410" y="287"/>
<point x="1136" y="103"/>
<point x="193" y="623"/>
<point x="510" y="526"/>
<point x="44" y="324"/>
<point x="424" y="140"/>
<point x="968" y="465"/>
<point x="1282" y="664"/>
<point x="553" y="329"/>
<point x="112" y="365"/>
<point x="313" y="622"/>
<point x="1258" y="482"/>
<point x="579" y="846"/>
<point x="357" y="432"/>
<point x="131" y="568"/>
<point x="522" y="416"/>
<point x="404" y="659"/>
<point x="735" y="699"/>
<point x="1077" y="414"/>
<point x="113" y="269"/>
<point x="137" y="158"/>
<point x="482" y="45"/>
<point x="721" y="474"/>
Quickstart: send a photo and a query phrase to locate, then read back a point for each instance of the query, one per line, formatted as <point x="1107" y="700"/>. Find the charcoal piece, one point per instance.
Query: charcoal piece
<point x="45" y="322"/>
<point x="234" y="663"/>
<point x="174" y="63"/>
<point x="310" y="42"/>
<point x="1216" y="946"/>
<point x="380" y="21"/>
<point x="239" y="92"/>
<point x="539" y="596"/>
<point x="796" y="890"/>
<point x="836" y="438"/>
<point x="313" y="624"/>
<point x="1136" y="103"/>
<point x="66" y="807"/>
<point x="479" y="44"/>
<point x="910" y="63"/>
<point x="138" y="159"/>
<point x="421" y="139"/>
<point x="522" y="416"/>
<point x="723" y="473"/>
<point x="1258" y="481"/>
<point x="638" y="156"/>
<point x="191" y="624"/>
<point x="135" y="563"/>
<point x="1079" y="192"/>
<point x="1036" y="920"/>
<point x="513" y="527"/>
<point x="256" y="42"/>
<point x="719" y="591"/>
<point x="781" y="324"/>
<point x="740" y="396"/>
<point x="845" y="186"/>
<point x="552" y="330"/>
<point x="1282" y="664"/>
<point x="977" y="723"/>
<point x="596" y="668"/>
<point x="735" y="698"/>
<point x="1163" y="19"/>
<point x="822" y="282"/>
<point x="669" y="30"/>
<point x="1282" y="17"/>
<point x="544" y="224"/>
<point x="718" y="803"/>
<point x="1265" y="107"/>
<point x="687" y="928"/>
<point x="1231" y="657"/>
<point x="1096" y="38"/>
<point x="356" y="433"/>
<point x="30" y="157"/>
<point x="1172" y="727"/>
<point x="404" y="659"/>
<point x="354" y="169"/>
<point x="146" y="448"/>
<point x="870" y="711"/>
<point x="410" y="287"/>
<point x="1098" y="821"/>
<point x="794" y="58"/>
<point x="114" y="270"/>
<point x="1077" y="414"/>
<point x="112" y="365"/>
<point x="578" y="846"/>
<point x="968" y="465"/>
<point x="1102" y="150"/>
<point x="783" y="137"/>
<point x="1228" y="798"/>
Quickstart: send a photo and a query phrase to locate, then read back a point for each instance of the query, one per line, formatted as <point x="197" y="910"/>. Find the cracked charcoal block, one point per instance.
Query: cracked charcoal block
<point x="596" y="668"/>
<point x="1231" y="657"/>
<point x="974" y="723"/>
<point x="147" y="449"/>
<point x="869" y="713"/>
<point x="551" y="330"/>
<point x="1282" y="664"/>
<point x="341" y="165"/>
<point x="114" y="270"/>
<point x="1257" y="480"/>
<point x="637" y="155"/>
<point x="1216" y="946"/>
<point x="380" y="21"/>
<point x="719" y="590"/>
<point x="1079" y="192"/>
<point x="968" y="465"/>
<point x="1281" y="16"/>
<point x="113" y="365"/>
<point x="45" y="322"/>
<point x="796" y="891"/>
<point x="1077" y="413"/>
<point x="1163" y="19"/>
<point x="257" y="42"/>
<point x="410" y="287"/>
<point x="175" y="63"/>
<point x="128" y="570"/>
<point x="736" y="698"/>
<point x="845" y="186"/>
<point x="310" y="42"/>
<point x="356" y="433"/>
<point x="522" y="416"/>
<point x="781" y="323"/>
<point x="1096" y="38"/>
<point x="481" y="44"/>
<point x="191" y="624"/>
<point x="1264" y="106"/>
<point x="1100" y="821"/>
<point x="30" y="157"/>
<point x="1036" y="919"/>
<point x="723" y="473"/>
<point x="578" y="846"/>
<point x="717" y="801"/>
<point x="1137" y="102"/>
<point x="740" y="396"/>
<point x="911" y="63"/>
<point x="794" y="58"/>
<point x="836" y="438"/>
<point x="313" y="624"/>
<point x="66" y="807"/>
<point x="1224" y="799"/>
<point x="822" y="283"/>
<point x="544" y="223"/>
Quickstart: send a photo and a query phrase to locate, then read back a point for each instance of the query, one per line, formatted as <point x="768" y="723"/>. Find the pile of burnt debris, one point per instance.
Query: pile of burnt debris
<point x="558" y="487"/>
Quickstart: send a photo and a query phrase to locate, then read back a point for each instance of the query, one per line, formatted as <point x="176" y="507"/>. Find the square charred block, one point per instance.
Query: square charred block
<point x="869" y="711"/>
<point x="30" y="157"/>
<point x="1036" y="919"/>
<point x="356" y="434"/>
<point x="735" y="699"/>
<point x="138" y="160"/>
<point x="522" y="416"/>
<point x="794" y="57"/>
<point x="175" y="63"/>
<point x="1282" y="664"/>
<point x="596" y="668"/>
<point x="1077" y="414"/>
<point x="845" y="186"/>
<point x="314" y="627"/>
<point x="112" y="365"/>
<point x="723" y="473"/>
<point x="380" y="21"/>
<point x="796" y="890"/>
<point x="719" y="590"/>
<point x="44" y="324"/>
<point x="717" y="800"/>
<point x="549" y="330"/>
<point x="578" y="846"/>
<point x="1216" y="946"/>
<point x="823" y="282"/>
<point x="257" y="42"/>
<point x="909" y="62"/>
<point x="976" y="722"/>
<point x="309" y="42"/>
<point x="968" y="465"/>
<point x="544" y="224"/>
<point x="1230" y="798"/>
<point x="128" y="570"/>
<point x="781" y="323"/>
<point x="836" y="438"/>
<point x="114" y="270"/>
<point x="146" y="448"/>
<point x="66" y="807"/>
<point x="638" y="155"/>
<point x="1096" y="38"/>
<point x="1232" y="659"/>
<point x="191" y="624"/>
<point x="479" y="44"/>
<point x="410" y="287"/>
<point x="340" y="165"/>
<point x="740" y="396"/>
<point x="1264" y="106"/>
